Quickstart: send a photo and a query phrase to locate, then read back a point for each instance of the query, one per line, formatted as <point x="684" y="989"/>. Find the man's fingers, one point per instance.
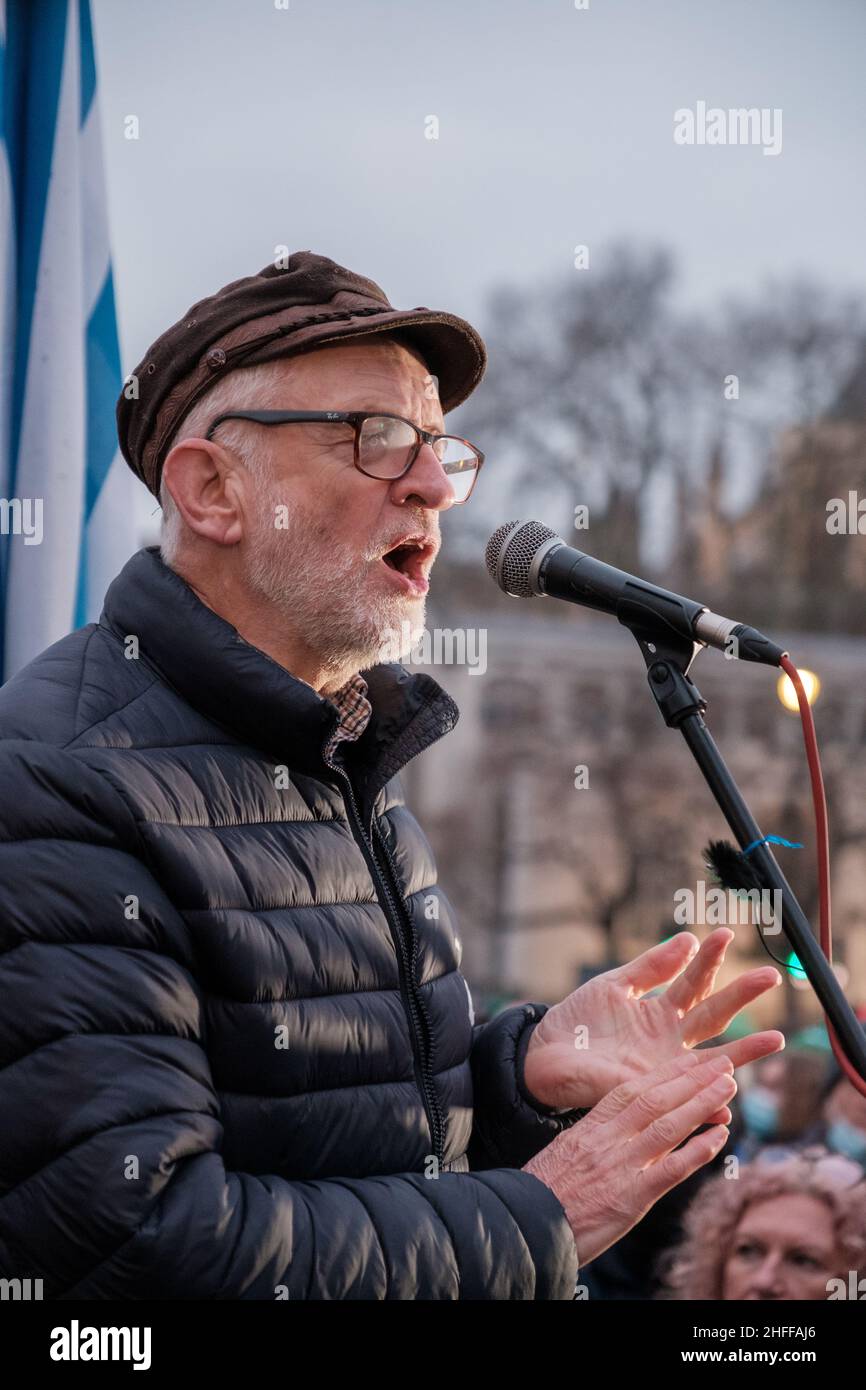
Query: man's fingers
<point x="712" y="1016"/>
<point x="747" y="1049"/>
<point x="660" y="1177"/>
<point x="697" y="982"/>
<point x="633" y="1108"/>
<point x="720" y="1117"/>
<point x="678" y="1121"/>
<point x="659" y="964"/>
<point x="618" y="1099"/>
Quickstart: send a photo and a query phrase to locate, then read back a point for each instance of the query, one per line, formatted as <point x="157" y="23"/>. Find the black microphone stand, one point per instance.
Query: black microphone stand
<point x="668" y="657"/>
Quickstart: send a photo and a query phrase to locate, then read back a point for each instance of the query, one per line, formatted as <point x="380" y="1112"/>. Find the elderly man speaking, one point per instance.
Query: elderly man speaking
<point x="238" y="1057"/>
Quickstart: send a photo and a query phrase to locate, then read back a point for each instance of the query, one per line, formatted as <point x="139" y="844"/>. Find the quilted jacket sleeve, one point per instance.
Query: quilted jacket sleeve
<point x="509" y="1125"/>
<point x="112" y="1183"/>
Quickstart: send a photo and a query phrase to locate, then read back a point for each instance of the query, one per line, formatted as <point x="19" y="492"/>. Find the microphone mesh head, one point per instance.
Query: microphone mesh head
<point x="511" y="551"/>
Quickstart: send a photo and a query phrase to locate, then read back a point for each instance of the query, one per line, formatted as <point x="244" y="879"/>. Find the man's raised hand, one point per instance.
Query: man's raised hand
<point x="607" y="1032"/>
<point x="611" y="1167"/>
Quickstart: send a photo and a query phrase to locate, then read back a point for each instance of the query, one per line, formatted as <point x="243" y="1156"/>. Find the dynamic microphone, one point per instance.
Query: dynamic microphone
<point x="528" y="560"/>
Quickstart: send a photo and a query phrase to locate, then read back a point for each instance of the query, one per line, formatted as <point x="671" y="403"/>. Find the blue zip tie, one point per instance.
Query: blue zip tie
<point x="770" y="840"/>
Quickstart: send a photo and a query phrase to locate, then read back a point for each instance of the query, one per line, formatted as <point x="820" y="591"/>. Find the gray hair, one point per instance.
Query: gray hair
<point x="261" y="387"/>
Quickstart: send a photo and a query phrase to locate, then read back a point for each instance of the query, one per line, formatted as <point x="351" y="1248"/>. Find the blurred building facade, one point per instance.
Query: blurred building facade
<point x="557" y="872"/>
<point x="565" y="815"/>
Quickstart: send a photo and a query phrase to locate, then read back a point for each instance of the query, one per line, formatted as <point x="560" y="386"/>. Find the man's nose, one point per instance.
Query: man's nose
<point x="426" y="483"/>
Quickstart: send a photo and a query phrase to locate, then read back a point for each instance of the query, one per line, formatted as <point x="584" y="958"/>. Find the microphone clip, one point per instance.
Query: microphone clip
<point x="668" y="658"/>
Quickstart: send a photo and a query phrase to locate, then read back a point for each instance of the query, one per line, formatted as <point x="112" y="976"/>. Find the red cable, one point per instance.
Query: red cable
<point x="819" y="800"/>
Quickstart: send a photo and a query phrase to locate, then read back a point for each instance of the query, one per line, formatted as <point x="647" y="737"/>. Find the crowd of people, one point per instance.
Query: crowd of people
<point x="779" y="1215"/>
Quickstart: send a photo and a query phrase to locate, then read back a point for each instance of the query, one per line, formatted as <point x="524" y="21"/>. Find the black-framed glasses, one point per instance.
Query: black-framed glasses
<point x="386" y="446"/>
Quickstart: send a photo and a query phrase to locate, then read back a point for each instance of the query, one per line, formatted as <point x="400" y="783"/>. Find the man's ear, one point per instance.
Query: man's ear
<point x="205" y="484"/>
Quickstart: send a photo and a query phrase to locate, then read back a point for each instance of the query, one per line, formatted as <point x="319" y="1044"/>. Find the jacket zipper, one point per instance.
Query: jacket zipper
<point x="415" y="1007"/>
<point x="426" y="1059"/>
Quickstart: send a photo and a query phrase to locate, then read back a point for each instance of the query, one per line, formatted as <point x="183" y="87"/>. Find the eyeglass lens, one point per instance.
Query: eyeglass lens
<point x="385" y="445"/>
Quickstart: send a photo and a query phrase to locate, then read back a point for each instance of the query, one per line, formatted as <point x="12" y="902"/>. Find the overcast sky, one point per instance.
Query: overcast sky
<point x="306" y="127"/>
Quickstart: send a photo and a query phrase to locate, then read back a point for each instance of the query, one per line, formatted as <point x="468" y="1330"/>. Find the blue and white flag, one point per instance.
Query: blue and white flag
<point x="67" y="510"/>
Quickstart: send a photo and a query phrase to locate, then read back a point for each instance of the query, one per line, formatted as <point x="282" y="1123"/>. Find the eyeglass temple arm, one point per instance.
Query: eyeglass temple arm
<point x="280" y="417"/>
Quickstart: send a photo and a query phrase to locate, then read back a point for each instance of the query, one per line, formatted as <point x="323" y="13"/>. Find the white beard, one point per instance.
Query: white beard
<point x="325" y="593"/>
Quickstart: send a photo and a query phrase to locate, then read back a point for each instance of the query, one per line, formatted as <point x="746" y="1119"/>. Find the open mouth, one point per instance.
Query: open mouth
<point x="411" y="558"/>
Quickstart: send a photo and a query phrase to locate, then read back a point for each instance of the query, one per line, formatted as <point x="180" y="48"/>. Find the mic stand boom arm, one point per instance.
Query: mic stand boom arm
<point x="668" y="657"/>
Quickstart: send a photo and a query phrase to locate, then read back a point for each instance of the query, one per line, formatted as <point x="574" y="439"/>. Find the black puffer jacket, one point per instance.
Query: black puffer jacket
<point x="236" y="1048"/>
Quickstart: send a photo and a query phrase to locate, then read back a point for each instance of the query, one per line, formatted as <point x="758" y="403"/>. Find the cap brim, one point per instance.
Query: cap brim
<point x="453" y="351"/>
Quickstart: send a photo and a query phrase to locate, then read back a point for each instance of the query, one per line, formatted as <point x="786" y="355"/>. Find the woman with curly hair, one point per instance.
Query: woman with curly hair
<point x="779" y="1230"/>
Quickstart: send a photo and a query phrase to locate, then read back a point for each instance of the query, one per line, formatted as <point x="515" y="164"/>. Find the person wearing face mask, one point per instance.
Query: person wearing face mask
<point x="844" y="1114"/>
<point x="783" y="1231"/>
<point x="846" y="1128"/>
<point x="782" y="1105"/>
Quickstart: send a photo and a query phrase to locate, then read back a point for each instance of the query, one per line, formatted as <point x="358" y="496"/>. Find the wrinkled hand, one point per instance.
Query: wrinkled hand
<point x="606" y="1033"/>
<point x="611" y="1167"/>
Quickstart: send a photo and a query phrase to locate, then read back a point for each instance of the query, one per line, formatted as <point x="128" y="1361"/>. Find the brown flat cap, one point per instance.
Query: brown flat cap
<point x="284" y="310"/>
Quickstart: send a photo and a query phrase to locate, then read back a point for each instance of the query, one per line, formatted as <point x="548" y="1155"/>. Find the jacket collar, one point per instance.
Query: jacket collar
<point x="245" y="691"/>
